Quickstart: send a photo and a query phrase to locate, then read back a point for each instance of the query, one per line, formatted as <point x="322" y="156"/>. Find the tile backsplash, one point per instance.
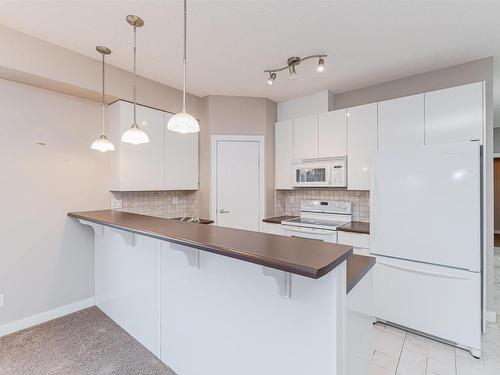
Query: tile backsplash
<point x="288" y="201"/>
<point x="166" y="204"/>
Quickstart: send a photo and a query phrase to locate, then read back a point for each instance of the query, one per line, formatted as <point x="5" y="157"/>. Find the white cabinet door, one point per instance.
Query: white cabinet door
<point x="332" y="133"/>
<point x="283" y="154"/>
<point x="181" y="160"/>
<point x="401" y="122"/>
<point x="358" y="240"/>
<point x="454" y="114"/>
<point x="305" y="137"/>
<point x="142" y="166"/>
<point x="361" y="142"/>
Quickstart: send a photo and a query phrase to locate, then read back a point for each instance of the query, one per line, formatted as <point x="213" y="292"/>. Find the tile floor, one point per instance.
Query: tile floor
<point x="398" y="352"/>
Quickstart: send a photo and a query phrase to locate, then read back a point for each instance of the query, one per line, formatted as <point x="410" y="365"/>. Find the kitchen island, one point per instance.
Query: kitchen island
<point x="208" y="299"/>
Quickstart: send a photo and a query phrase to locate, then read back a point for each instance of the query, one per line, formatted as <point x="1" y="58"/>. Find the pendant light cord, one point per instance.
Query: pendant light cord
<point x="184" y="60"/>
<point x="103" y="93"/>
<point x="135" y="41"/>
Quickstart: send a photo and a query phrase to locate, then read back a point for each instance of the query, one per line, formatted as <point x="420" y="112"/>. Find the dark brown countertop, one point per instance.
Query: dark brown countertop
<point x="308" y="258"/>
<point x="278" y="219"/>
<point x="357" y="267"/>
<point x="356" y="227"/>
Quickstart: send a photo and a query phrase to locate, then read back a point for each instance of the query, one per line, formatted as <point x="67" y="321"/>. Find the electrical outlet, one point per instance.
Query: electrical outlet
<point x="116" y="203"/>
<point x="174" y="200"/>
<point x="1" y="300"/>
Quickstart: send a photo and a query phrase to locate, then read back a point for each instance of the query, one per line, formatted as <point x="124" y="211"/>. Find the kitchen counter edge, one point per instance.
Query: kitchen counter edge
<point x="289" y="257"/>
<point x="357" y="267"/>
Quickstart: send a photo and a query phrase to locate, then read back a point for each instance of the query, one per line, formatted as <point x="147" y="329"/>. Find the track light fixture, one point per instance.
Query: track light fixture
<point x="291" y="63"/>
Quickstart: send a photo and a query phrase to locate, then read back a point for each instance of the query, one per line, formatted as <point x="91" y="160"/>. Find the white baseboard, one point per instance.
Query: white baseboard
<point x="45" y="316"/>
<point x="490" y="316"/>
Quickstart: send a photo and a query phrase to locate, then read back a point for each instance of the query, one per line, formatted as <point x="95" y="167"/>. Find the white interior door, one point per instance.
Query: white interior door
<point x="237" y="184"/>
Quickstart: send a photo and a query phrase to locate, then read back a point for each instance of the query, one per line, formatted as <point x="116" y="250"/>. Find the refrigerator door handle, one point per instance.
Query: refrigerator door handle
<point x="442" y="274"/>
<point x="372" y="207"/>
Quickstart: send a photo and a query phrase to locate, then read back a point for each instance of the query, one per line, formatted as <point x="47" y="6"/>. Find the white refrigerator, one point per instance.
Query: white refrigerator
<point x="426" y="234"/>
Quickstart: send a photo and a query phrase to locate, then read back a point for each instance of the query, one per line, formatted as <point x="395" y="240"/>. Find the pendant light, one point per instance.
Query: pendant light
<point x="135" y="135"/>
<point x="183" y="122"/>
<point x="102" y="143"/>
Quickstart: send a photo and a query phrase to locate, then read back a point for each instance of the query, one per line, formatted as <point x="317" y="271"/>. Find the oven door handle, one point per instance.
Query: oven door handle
<point x="308" y="230"/>
<point x="305" y="238"/>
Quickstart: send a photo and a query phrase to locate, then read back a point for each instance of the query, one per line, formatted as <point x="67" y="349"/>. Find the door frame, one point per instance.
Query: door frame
<point x="215" y="139"/>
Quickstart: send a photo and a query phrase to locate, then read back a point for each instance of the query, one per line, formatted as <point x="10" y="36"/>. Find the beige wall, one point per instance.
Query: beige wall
<point x="38" y="63"/>
<point x="233" y="115"/>
<point x="475" y="71"/>
<point x="496" y="140"/>
<point x="47" y="259"/>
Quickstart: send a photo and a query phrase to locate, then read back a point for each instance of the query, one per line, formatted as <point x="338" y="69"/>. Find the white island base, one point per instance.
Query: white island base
<point x="203" y="313"/>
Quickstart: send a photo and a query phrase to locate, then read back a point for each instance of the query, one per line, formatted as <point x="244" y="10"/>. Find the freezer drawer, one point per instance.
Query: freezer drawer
<point x="439" y="301"/>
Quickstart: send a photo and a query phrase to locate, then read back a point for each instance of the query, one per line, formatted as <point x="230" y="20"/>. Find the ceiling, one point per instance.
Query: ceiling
<point x="231" y="42"/>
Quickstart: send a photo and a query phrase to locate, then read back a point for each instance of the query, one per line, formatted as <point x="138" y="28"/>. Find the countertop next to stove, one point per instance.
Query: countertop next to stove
<point x="354" y="226"/>
<point x="278" y="219"/>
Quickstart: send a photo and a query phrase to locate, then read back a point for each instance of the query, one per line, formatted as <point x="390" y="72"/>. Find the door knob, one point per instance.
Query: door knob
<point x="222" y="211"/>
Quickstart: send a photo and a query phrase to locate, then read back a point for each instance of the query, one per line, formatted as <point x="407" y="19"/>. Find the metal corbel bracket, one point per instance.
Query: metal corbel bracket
<point x="283" y="280"/>
<point x="98" y="228"/>
<point x="192" y="255"/>
<point x="128" y="237"/>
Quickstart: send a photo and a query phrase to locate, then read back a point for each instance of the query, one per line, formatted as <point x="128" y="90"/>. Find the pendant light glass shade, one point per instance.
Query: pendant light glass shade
<point x="135" y="135"/>
<point x="183" y="122"/>
<point x="102" y="143"/>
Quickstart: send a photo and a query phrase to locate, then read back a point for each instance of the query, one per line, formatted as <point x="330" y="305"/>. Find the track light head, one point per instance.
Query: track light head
<point x="271" y="79"/>
<point x="321" y="65"/>
<point x="293" y="72"/>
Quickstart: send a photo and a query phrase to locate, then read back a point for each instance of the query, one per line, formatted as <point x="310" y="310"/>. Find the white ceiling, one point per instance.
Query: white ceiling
<point x="230" y="43"/>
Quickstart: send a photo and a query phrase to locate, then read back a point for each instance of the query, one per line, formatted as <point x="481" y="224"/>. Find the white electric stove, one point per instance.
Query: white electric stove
<point x="319" y="220"/>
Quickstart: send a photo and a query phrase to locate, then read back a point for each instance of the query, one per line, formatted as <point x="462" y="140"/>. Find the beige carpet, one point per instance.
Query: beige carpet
<point x="86" y="342"/>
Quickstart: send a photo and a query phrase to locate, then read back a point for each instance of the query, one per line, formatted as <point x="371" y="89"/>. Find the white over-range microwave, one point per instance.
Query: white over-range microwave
<point x="320" y="173"/>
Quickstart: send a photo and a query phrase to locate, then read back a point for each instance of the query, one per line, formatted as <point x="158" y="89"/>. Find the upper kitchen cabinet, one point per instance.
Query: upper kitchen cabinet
<point x="283" y="154"/>
<point x="361" y="142"/>
<point x="454" y="114"/>
<point x="401" y="122"/>
<point x="332" y="133"/>
<point x="181" y="159"/>
<point x="168" y="162"/>
<point x="140" y="167"/>
<point x="305" y="137"/>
